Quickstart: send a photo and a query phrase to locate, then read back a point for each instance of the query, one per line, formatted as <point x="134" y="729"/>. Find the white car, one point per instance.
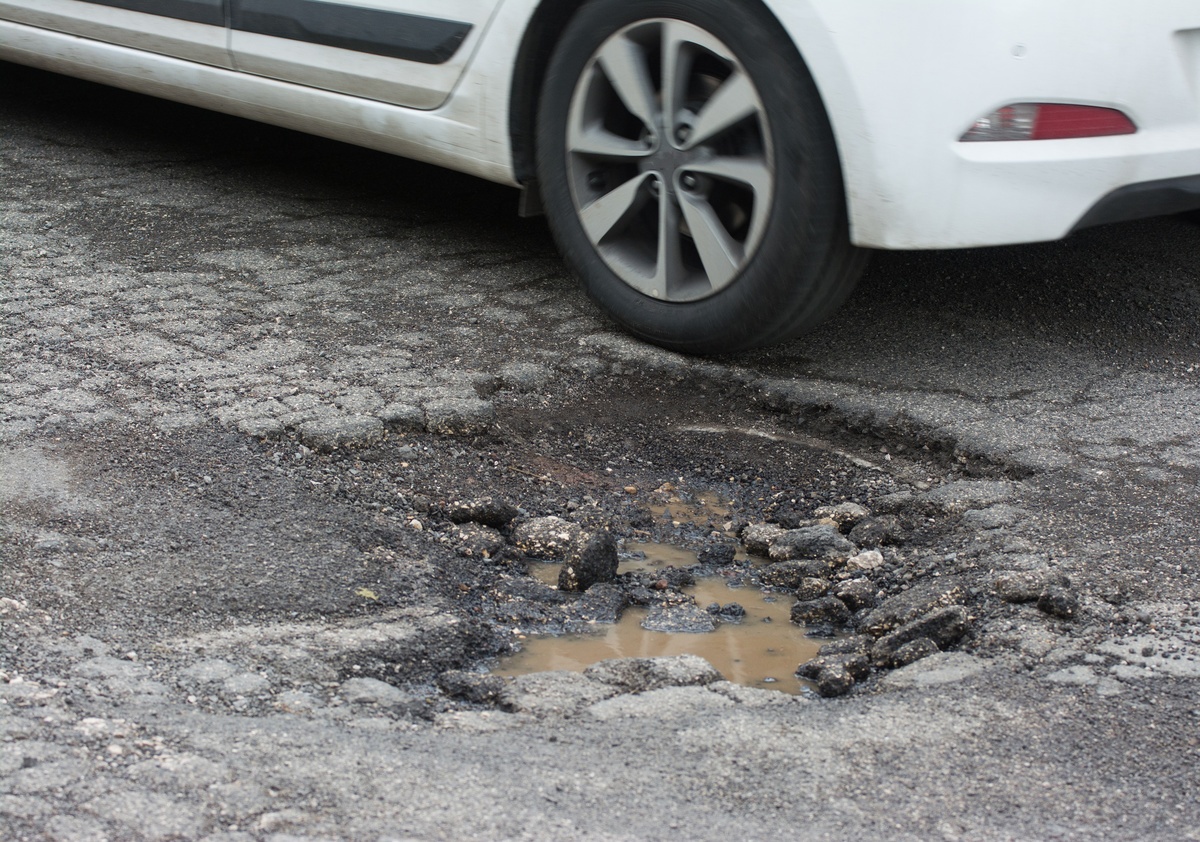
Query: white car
<point x="709" y="168"/>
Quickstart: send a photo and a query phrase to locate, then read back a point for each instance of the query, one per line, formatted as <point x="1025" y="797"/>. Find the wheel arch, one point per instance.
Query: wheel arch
<point x="533" y="57"/>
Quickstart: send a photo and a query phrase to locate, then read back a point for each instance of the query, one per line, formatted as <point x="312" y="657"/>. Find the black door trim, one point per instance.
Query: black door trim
<point x="375" y="31"/>
<point x="211" y="12"/>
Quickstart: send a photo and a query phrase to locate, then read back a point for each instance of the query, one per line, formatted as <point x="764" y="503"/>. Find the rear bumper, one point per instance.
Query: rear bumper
<point x="1138" y="201"/>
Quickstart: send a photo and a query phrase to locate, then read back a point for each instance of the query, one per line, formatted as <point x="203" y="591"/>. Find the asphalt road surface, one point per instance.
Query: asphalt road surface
<point x="246" y="373"/>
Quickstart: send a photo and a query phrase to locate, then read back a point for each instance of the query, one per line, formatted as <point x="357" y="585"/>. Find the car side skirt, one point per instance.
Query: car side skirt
<point x="454" y="136"/>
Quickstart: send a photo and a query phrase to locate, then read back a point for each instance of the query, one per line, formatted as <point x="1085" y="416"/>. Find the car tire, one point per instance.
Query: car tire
<point x="690" y="176"/>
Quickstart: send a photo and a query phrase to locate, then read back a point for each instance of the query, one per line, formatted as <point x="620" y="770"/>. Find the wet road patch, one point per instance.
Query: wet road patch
<point x="744" y="632"/>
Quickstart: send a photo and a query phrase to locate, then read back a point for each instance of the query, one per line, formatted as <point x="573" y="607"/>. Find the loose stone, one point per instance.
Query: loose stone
<point x="487" y="510"/>
<point x="877" y="531"/>
<point x="857" y="664"/>
<point x="914" y="651"/>
<point x="546" y="537"/>
<point x="811" y="588"/>
<point x="718" y="555"/>
<point x="834" y="681"/>
<point x="1058" y="601"/>
<point x="789" y="574"/>
<point x="822" y="541"/>
<point x="857" y="594"/>
<point x="8" y="605"/>
<point x="730" y="612"/>
<point x="826" y="611"/>
<point x="665" y="578"/>
<point x="944" y="626"/>
<point x="476" y="541"/>
<point x="602" y="603"/>
<point x="857" y="644"/>
<point x="868" y="560"/>
<point x="1026" y="585"/>
<point x="757" y="537"/>
<point x="589" y="561"/>
<point x="844" y="515"/>
<point x="913" y="603"/>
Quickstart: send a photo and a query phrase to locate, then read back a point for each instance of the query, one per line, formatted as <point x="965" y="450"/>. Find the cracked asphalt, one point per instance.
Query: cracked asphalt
<point x="201" y="316"/>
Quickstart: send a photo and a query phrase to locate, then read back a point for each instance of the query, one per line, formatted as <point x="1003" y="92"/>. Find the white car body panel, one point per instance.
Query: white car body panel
<point x="901" y="82"/>
<point x="468" y="133"/>
<point x="184" y="39"/>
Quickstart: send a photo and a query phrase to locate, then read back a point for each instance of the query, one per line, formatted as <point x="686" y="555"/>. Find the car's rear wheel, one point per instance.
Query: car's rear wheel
<point x="690" y="175"/>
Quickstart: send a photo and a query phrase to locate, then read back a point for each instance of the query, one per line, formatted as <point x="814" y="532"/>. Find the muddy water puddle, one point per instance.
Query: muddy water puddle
<point x="763" y="650"/>
<point x="681" y="506"/>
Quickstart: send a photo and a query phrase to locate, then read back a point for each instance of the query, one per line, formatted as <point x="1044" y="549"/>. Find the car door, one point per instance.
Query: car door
<point x="405" y="52"/>
<point x="187" y="29"/>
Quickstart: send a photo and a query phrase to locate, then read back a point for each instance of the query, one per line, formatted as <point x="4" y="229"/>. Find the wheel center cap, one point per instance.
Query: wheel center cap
<point x="666" y="159"/>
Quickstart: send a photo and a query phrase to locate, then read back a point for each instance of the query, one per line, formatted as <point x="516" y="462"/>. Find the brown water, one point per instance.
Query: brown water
<point x="761" y="651"/>
<point x="703" y="509"/>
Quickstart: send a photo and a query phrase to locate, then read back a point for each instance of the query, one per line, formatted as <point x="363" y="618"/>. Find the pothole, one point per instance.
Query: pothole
<point x="839" y="571"/>
<point x="753" y="641"/>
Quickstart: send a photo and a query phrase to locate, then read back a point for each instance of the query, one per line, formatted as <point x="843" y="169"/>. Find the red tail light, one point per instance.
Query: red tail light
<point x="1048" y="121"/>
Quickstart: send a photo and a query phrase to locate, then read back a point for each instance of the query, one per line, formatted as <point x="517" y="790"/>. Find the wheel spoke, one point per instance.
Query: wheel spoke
<point x="668" y="266"/>
<point x="677" y="53"/>
<point x="731" y="103"/>
<point x="594" y="141"/>
<point x="720" y="253"/>
<point x="613" y="208"/>
<point x="624" y="63"/>
<point x="752" y="172"/>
